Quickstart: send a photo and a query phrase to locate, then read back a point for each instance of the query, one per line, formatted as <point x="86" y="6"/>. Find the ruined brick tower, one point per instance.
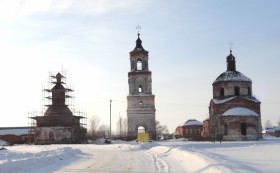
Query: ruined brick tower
<point x="140" y="100"/>
<point x="234" y="112"/>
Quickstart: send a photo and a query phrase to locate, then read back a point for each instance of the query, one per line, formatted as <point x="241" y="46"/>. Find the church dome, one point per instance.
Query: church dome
<point x="232" y="76"/>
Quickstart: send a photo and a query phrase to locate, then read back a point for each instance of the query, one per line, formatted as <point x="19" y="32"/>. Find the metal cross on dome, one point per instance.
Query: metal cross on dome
<point x="138" y="28"/>
<point x="230" y="44"/>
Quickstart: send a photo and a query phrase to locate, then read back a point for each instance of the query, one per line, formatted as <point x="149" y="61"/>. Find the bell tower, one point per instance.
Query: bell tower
<point x="140" y="100"/>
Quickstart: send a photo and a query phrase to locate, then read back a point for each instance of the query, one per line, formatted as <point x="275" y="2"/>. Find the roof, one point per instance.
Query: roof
<point x="240" y="111"/>
<point x="277" y="128"/>
<point x="192" y="122"/>
<point x="232" y="76"/>
<point x="218" y="101"/>
<point x="3" y="142"/>
<point x="222" y="101"/>
<point x="14" y="131"/>
<point x="58" y="86"/>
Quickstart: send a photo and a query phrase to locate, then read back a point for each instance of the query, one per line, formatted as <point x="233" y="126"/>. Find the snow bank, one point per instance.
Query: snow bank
<point x="35" y="159"/>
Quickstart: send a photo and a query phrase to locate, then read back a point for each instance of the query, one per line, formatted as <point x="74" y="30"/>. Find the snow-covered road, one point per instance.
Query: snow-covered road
<point x="107" y="159"/>
<point x="165" y="156"/>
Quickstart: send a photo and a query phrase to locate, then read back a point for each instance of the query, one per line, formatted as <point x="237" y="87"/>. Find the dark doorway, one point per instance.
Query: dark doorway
<point x="244" y="129"/>
<point x="222" y="92"/>
<point x="225" y="129"/>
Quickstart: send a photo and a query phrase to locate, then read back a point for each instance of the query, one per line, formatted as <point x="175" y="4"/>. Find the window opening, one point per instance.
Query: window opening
<point x="244" y="129"/>
<point x="140" y="103"/>
<point x="222" y="92"/>
<point x="237" y="91"/>
<point x="249" y="91"/>
<point x="139" y="64"/>
<point x="140" y="89"/>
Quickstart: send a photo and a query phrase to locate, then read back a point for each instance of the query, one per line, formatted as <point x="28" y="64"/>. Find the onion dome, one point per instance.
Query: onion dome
<point x="138" y="46"/>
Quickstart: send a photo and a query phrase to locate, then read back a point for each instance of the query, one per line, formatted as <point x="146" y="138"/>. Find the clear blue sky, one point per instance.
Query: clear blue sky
<point x="188" y="41"/>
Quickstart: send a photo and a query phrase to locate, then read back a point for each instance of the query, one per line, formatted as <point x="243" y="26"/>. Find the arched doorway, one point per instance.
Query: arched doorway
<point x="141" y="129"/>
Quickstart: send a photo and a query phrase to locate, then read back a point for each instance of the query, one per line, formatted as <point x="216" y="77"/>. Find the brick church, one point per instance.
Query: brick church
<point x="234" y="113"/>
<point x="59" y="125"/>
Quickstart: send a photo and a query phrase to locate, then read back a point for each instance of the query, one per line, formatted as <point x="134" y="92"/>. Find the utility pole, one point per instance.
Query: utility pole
<point x="110" y="121"/>
<point x="120" y="124"/>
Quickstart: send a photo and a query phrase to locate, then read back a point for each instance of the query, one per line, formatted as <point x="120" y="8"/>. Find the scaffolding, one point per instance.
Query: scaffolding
<point x="33" y="116"/>
<point x="47" y="93"/>
<point x="32" y="124"/>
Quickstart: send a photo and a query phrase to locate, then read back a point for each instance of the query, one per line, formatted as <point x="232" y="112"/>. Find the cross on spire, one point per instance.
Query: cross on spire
<point x="138" y="28"/>
<point x="230" y="46"/>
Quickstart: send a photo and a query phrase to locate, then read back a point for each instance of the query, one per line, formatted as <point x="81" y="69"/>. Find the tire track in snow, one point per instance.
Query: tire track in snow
<point x="160" y="164"/>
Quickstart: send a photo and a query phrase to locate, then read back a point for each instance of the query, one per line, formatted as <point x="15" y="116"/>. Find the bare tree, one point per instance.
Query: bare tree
<point x="160" y="130"/>
<point x="103" y="131"/>
<point x="121" y="130"/>
<point x="268" y="124"/>
<point x="94" y="125"/>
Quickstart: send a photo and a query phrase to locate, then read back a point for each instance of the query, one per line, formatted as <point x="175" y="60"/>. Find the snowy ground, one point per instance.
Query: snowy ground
<point x="165" y="156"/>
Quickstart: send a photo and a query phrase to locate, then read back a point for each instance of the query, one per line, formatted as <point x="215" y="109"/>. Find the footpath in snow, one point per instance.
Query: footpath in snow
<point x="164" y="156"/>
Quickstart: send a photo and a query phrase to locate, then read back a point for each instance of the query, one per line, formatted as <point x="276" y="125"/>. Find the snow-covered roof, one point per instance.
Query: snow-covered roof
<point x="277" y="128"/>
<point x="192" y="122"/>
<point x="222" y="101"/>
<point x="14" y="131"/>
<point x="3" y="142"/>
<point x="218" y="101"/>
<point x="232" y="76"/>
<point x="253" y="99"/>
<point x="240" y="111"/>
<point x="270" y="130"/>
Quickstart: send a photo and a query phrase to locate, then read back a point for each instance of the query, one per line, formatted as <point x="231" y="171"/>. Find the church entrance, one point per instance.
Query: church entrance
<point x="141" y="129"/>
<point x="142" y="136"/>
<point x="244" y="129"/>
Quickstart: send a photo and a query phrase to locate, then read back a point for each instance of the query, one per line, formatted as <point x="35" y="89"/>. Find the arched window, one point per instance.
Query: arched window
<point x="222" y="92"/>
<point x="237" y="91"/>
<point x="139" y="64"/>
<point x="249" y="91"/>
<point x="140" y="89"/>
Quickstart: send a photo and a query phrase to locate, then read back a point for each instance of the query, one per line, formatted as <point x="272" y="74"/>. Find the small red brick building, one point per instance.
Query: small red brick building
<point x="190" y="129"/>
<point x="15" y="135"/>
<point x="205" y="131"/>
